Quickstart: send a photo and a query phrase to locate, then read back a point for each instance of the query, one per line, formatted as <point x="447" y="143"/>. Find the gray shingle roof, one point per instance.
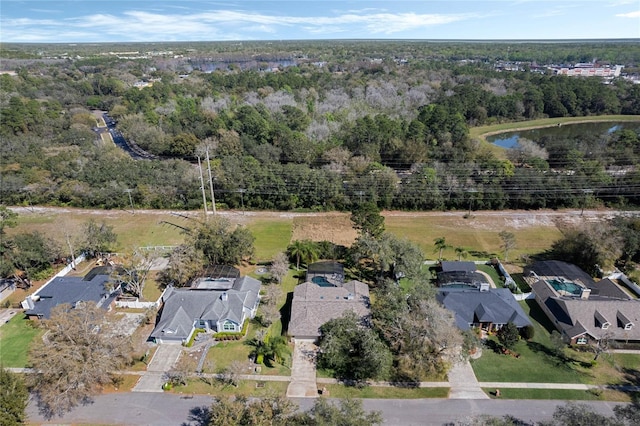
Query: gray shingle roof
<point x="313" y="305"/>
<point x="182" y="307"/>
<point x="471" y="306"/>
<point x="72" y="290"/>
<point x="577" y="316"/>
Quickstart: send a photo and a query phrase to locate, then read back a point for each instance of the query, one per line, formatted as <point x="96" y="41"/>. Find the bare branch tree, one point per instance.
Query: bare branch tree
<point x="279" y="267"/>
<point x="79" y="357"/>
<point x="133" y="271"/>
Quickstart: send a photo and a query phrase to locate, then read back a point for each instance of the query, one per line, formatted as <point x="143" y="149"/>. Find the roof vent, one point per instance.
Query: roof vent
<point x="350" y="296"/>
<point x="224" y="297"/>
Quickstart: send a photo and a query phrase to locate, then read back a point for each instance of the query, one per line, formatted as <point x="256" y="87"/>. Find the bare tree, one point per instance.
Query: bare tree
<point x="508" y="243"/>
<point x="184" y="262"/>
<point x="231" y="374"/>
<point x="77" y="357"/>
<point x="133" y="271"/>
<point x="279" y="267"/>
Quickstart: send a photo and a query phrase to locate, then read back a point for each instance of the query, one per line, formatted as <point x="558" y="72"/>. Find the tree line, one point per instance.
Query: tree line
<point x="310" y="136"/>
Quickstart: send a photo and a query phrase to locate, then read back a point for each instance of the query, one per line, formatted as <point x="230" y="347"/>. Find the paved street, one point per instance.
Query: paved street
<point x="161" y="409"/>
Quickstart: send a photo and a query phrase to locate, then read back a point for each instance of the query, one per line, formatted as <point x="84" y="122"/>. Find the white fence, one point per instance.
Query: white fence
<point x="137" y="304"/>
<point x="524" y="296"/>
<point x="622" y="277"/>
<point x="62" y="273"/>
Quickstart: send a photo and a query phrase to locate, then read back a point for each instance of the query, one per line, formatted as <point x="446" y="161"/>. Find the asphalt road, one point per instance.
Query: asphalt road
<point x="161" y="409"/>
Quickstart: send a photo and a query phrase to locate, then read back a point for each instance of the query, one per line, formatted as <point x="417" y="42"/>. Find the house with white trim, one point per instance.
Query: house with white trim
<point x="214" y="304"/>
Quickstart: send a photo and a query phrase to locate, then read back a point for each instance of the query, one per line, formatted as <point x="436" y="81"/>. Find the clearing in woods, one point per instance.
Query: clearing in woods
<point x="535" y="231"/>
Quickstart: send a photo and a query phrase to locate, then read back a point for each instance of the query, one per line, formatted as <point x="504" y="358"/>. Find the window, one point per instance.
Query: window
<point x="581" y="341"/>
<point x="228" y="326"/>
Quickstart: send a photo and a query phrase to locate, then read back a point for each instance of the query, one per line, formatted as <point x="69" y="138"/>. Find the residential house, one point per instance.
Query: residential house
<point x="213" y="303"/>
<point x="583" y="310"/>
<point x="323" y="297"/>
<point x="95" y="287"/>
<point x="488" y="309"/>
<point x="468" y="294"/>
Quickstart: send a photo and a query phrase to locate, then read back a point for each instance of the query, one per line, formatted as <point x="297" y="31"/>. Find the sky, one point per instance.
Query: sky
<point x="55" y="21"/>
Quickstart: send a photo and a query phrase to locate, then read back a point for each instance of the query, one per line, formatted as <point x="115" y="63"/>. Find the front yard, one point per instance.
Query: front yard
<point x="538" y="364"/>
<point x="15" y="338"/>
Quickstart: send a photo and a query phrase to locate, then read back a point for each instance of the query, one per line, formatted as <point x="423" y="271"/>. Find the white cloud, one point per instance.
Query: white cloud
<point x="635" y="14"/>
<point x="139" y="25"/>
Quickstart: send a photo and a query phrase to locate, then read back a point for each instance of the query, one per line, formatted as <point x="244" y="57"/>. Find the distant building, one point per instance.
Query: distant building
<point x="588" y="70"/>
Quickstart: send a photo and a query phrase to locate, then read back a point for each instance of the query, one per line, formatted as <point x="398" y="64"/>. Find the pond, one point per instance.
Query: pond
<point x="565" y="131"/>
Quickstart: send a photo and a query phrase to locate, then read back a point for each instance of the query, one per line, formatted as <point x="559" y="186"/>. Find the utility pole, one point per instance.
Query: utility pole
<point x="73" y="257"/>
<point x="242" y="191"/>
<point x="128" y="191"/>
<point x="213" y="198"/>
<point x="204" y="196"/>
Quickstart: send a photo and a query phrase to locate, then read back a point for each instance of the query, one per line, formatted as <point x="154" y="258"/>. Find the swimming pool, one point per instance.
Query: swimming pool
<point x="565" y="286"/>
<point x="322" y="281"/>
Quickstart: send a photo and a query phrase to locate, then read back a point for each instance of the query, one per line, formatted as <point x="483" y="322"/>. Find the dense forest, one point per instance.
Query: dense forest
<point x="312" y="125"/>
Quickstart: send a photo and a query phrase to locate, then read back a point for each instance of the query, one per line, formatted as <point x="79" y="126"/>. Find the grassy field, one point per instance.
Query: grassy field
<point x="272" y="236"/>
<point x="133" y="230"/>
<point x="483" y="131"/>
<point x="15" y="338"/>
<point x="478" y="235"/>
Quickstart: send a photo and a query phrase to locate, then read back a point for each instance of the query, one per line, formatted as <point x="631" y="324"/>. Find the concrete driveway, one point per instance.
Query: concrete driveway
<point x="7" y="314"/>
<point x="303" y="370"/>
<point x="163" y="360"/>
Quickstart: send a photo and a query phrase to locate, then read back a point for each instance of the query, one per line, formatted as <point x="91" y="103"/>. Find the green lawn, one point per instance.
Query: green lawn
<point x="495" y="276"/>
<point x="563" y="394"/>
<point x="537" y="362"/>
<point x="224" y="353"/>
<point x="151" y="291"/>
<point x="15" y="339"/>
<point x="382" y="392"/>
<point x="272" y="236"/>
<point x="244" y="388"/>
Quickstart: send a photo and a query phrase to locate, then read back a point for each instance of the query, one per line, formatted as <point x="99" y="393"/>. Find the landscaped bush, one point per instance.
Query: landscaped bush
<point x="232" y="335"/>
<point x="527" y="332"/>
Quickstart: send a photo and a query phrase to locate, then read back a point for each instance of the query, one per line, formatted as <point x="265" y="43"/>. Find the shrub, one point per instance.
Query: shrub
<point x="193" y="336"/>
<point x="527" y="332"/>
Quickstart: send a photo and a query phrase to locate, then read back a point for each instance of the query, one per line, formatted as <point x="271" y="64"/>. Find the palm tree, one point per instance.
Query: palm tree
<point x="305" y="250"/>
<point x="440" y="244"/>
<point x="461" y="252"/>
<point x="270" y="348"/>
